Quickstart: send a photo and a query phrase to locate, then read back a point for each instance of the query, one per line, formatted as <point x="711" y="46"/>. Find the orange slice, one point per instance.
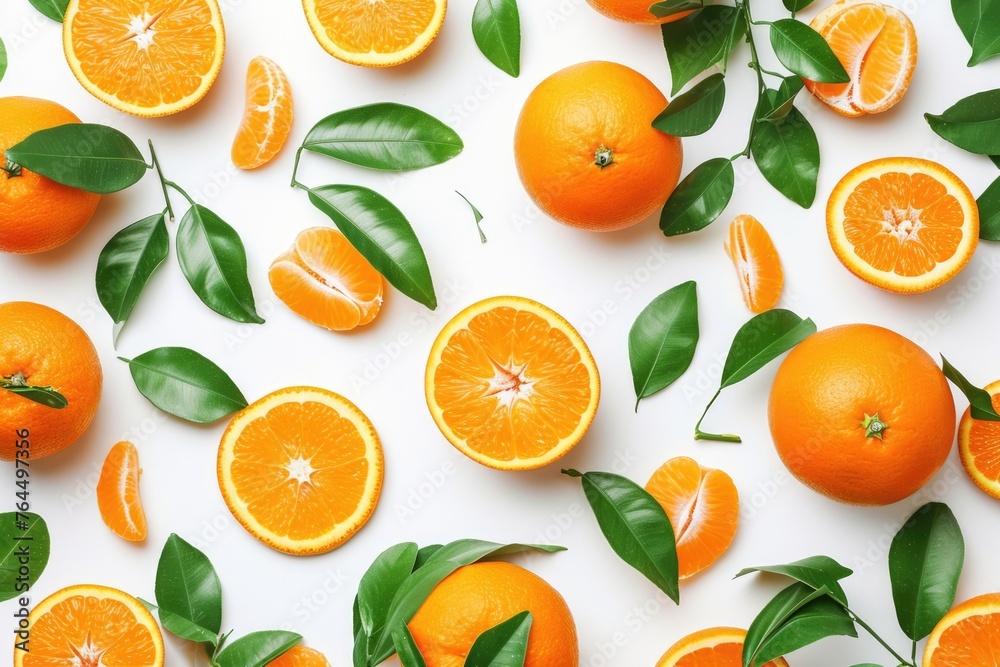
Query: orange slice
<point x="118" y="493"/>
<point x="877" y="45"/>
<point x="267" y="115"/>
<point x="758" y="266"/>
<point x="511" y="384"/>
<point x="903" y="224"/>
<point x="91" y="625"/>
<point x="301" y="469"/>
<point x="325" y="280"/>
<point x="300" y="656"/>
<point x="713" y="647"/>
<point x="150" y="58"/>
<point x="703" y="507"/>
<point x="967" y="635"/>
<point x="375" y="34"/>
<point x="979" y="446"/>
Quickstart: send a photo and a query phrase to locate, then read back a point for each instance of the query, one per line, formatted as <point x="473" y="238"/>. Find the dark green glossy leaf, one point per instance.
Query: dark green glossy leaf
<point x="699" y="199"/>
<point x="761" y="340"/>
<point x="979" y="21"/>
<point x="46" y="396"/>
<point x="496" y="27"/>
<point x="503" y="645"/>
<point x="185" y="384"/>
<point x="989" y="212"/>
<point x="700" y="40"/>
<point x="54" y="9"/>
<point x="995" y="159"/>
<point x="359" y="656"/>
<point x="387" y="136"/>
<point x="813" y="621"/>
<point x="380" y="583"/>
<point x="972" y="123"/>
<point x="662" y="340"/>
<point x="796" y="5"/>
<point x="20" y="531"/>
<point x="382" y="234"/>
<point x="3" y="59"/>
<point x="787" y="155"/>
<point x="980" y="401"/>
<point x="925" y="562"/>
<point x="776" y="614"/>
<point x="804" y="51"/>
<point x="257" y="649"/>
<point x="635" y="526"/>
<point x="695" y="111"/>
<point x="816" y="572"/>
<point x="781" y="101"/>
<point x="127" y="262"/>
<point x="670" y="7"/>
<point x="187" y="588"/>
<point x="182" y="627"/>
<point x="425" y="553"/>
<point x="406" y="648"/>
<point x="476" y="214"/>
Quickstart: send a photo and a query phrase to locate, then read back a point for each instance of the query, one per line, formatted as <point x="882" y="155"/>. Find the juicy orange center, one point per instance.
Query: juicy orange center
<point x="375" y="26"/>
<point x="984" y="445"/>
<point x="971" y="641"/>
<point x="724" y="655"/>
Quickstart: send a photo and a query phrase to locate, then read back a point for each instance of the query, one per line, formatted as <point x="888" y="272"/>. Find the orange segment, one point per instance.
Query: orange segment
<point x="325" y="280"/>
<point x="712" y="647"/>
<point x="903" y="224"/>
<point x="118" y="493"/>
<point x="375" y="34"/>
<point x="267" y="115"/>
<point x="150" y="58"/>
<point x="967" y="635"/>
<point x="300" y="656"/>
<point x="758" y="266"/>
<point x="511" y="384"/>
<point x="91" y="625"/>
<point x="301" y="469"/>
<point x="979" y="446"/>
<point x="703" y="507"/>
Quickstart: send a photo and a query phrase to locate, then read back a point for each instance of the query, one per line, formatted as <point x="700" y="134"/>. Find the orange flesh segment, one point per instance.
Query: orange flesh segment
<point x="721" y="655"/>
<point x="884" y="68"/>
<point x="267" y="115"/>
<point x="118" y="493"/>
<point x="361" y="26"/>
<point x="758" y="266"/>
<point x="972" y="641"/>
<point x="984" y="445"/>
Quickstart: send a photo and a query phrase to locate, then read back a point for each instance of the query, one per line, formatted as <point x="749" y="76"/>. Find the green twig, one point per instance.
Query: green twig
<point x="295" y="168"/>
<point x="714" y="437"/>
<point x="179" y="190"/>
<point x="869" y="630"/>
<point x="758" y="70"/>
<point x="163" y="182"/>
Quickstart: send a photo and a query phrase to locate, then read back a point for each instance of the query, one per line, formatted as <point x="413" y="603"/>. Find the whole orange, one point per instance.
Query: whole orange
<point x="477" y="597"/>
<point x="586" y="150"/>
<point x="632" y="11"/>
<point x="861" y="415"/>
<point x="49" y="350"/>
<point x="36" y="213"/>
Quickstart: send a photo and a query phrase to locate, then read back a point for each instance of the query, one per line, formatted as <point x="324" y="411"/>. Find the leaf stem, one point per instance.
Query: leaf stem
<point x="163" y="182"/>
<point x="180" y="190"/>
<point x="714" y="437"/>
<point x="758" y="70"/>
<point x="869" y="630"/>
<point x="295" y="167"/>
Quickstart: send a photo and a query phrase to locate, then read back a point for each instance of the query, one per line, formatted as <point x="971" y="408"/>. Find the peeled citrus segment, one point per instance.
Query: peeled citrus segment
<point x="511" y="384"/>
<point x="267" y="115"/>
<point x="92" y="625"/>
<point x="979" y="446"/>
<point x="903" y="224"/>
<point x="325" y="280"/>
<point x="758" y="266"/>
<point x="713" y="647"/>
<point x="118" y="493"/>
<point x="150" y="58"/>
<point x="703" y="507"/>
<point x="301" y="469"/>
<point x="375" y="34"/>
<point x="300" y="656"/>
<point x="967" y="635"/>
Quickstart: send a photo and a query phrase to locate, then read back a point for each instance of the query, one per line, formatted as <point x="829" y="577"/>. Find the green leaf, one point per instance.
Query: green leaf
<point x="995" y="159"/>
<point x="788" y="156"/>
<point x="214" y="262"/>
<point x="980" y="401"/>
<point x="761" y="340"/>
<point x="813" y="621"/>
<point x="46" y="396"/>
<point x="3" y="59"/>
<point x="925" y="562"/>
<point x="989" y="212"/>
<point x="406" y="648"/>
<point x="503" y="645"/>
<point x="359" y="656"/>
<point x="796" y="5"/>
<point x="425" y="553"/>
<point x="781" y="101"/>
<point x="496" y="27"/>
<point x="635" y="526"/>
<point x="387" y="136"/>
<point x="670" y="7"/>
<point x="695" y="111"/>
<point x="54" y="9"/>
<point x="185" y="629"/>
<point x="380" y="583"/>
<point x="805" y="52"/>
<point x="257" y="649"/>
<point x="382" y="234"/>
<point x="90" y="157"/>
<point x="127" y="262"/>
<point x="476" y="214"/>
<point x="188" y="588"/>
<point x="979" y="21"/>
<point x="816" y="572"/>
<point x="662" y="340"/>
<point x="699" y="199"/>
<point x="972" y="123"/>
<point x="185" y="384"/>
<point x="700" y="40"/>
<point x="19" y="531"/>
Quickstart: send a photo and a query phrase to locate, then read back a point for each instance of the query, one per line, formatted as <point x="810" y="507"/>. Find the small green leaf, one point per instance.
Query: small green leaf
<point x="46" y="396"/>
<point x="54" y="9"/>
<point x="187" y="588"/>
<point x="989" y="212"/>
<point x="425" y="553"/>
<point x="972" y="123"/>
<point x="980" y="401"/>
<point x="980" y="23"/>
<point x="257" y="649"/>
<point x="816" y="572"/>
<point x="761" y="340"/>
<point x="20" y="531"/>
<point x="476" y="214"/>
<point x="496" y="27"/>
<point x="662" y="340"/>
<point x="995" y="159"/>
<point x="635" y="525"/>
<point x="386" y="136"/>
<point x="185" y="384"/>
<point x="782" y="101"/>
<point x="813" y="621"/>
<point x="699" y="199"/>
<point x="382" y="234"/>
<point x="667" y="8"/>
<point x="788" y="156"/>
<point x="503" y="645"/>
<point x="3" y="59"/>
<point x="695" y="111"/>
<point x="380" y="583"/>
<point x="796" y="5"/>
<point x="700" y="40"/>
<point x="127" y="262"/>
<point x="185" y="629"/>
<point x="406" y="648"/>
<point x="805" y="52"/>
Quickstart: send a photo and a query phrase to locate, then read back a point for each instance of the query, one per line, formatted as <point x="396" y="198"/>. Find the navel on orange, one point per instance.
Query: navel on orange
<point x="267" y="115"/>
<point x="967" y="635"/>
<point x="301" y="469"/>
<point x="979" y="447"/>
<point x="151" y="58"/>
<point x="511" y="384"/>
<point x="713" y="647"/>
<point x="118" y="493"/>
<point x="758" y="266"/>
<point x="903" y="224"/>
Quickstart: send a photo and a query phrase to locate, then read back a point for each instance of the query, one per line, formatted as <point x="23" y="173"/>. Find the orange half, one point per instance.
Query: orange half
<point x="713" y="647"/>
<point x="979" y="446"/>
<point x="118" y="493"/>
<point x="967" y="635"/>
<point x="301" y="469"/>
<point x="150" y="58"/>
<point x="267" y="115"/>
<point x="758" y="266"/>
<point x="511" y="384"/>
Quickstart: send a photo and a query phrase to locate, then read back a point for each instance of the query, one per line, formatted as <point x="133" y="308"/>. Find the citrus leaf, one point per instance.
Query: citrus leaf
<point x="425" y="553"/>
<point x="20" y="531"/>
<point x="380" y="583"/>
<point x="972" y="123"/>
<point x="180" y="626"/>
<point x="700" y="40"/>
<point x="805" y="52"/>
<point x="995" y="159"/>
<point x="406" y="648"/>
<point x="989" y="212"/>
<point x="359" y="656"/>
<point x="782" y="100"/>
<point x="980" y="23"/>
<point x="476" y="214"/>
<point x="54" y="9"/>
<point x="816" y="572"/>
<point x="127" y="262"/>
<point x="662" y="340"/>
<point x="762" y="339"/>
<point x="187" y="587"/>
<point x="670" y="7"/>
<point x="699" y="199"/>
<point x="46" y="396"/>
<point x="817" y="619"/>
<point x="796" y="5"/>
<point x="695" y="111"/>
<point x="496" y="27"/>
<point x="980" y="401"/>
<point x="258" y="649"/>
<point x="3" y="60"/>
<point x="788" y="156"/>
<point x="503" y="645"/>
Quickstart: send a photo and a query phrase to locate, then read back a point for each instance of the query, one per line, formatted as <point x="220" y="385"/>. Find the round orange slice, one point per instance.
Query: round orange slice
<point x="967" y="635"/>
<point x="91" y="625"/>
<point x="979" y="447"/>
<point x="267" y="115"/>
<point x="301" y="469"/>
<point x="713" y="647"/>
<point x="300" y="656"/>
<point x="758" y="266"/>
<point x="511" y="384"/>
<point x="150" y="58"/>
<point x="375" y="34"/>
<point x="703" y="507"/>
<point x="903" y="224"/>
<point x="118" y="493"/>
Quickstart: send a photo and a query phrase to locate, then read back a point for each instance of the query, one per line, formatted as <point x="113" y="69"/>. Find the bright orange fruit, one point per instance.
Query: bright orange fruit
<point x="967" y="635"/>
<point x="325" y="280"/>
<point x="632" y="11"/>
<point x="758" y="266"/>
<point x="267" y="115"/>
<point x="713" y="647"/>
<point x="300" y="656"/>
<point x="118" y="493"/>
<point x="979" y="446"/>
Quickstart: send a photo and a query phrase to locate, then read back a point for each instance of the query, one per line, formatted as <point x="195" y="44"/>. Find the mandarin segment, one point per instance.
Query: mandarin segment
<point x="118" y="493"/>
<point x="758" y="266"/>
<point x="267" y="115"/>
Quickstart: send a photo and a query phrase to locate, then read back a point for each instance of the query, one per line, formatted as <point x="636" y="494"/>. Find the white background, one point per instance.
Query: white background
<point x="583" y="276"/>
